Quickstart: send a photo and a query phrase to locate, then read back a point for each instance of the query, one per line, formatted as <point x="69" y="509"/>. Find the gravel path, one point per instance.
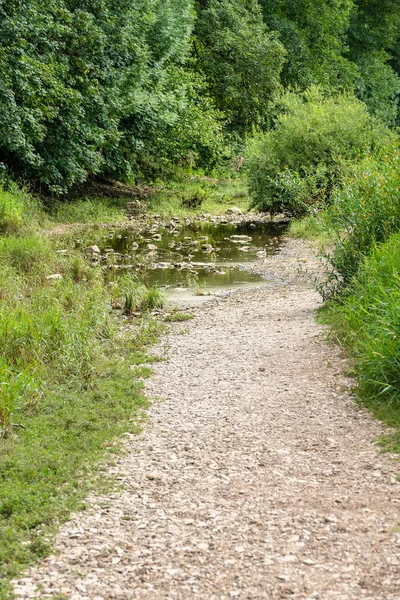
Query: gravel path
<point x="257" y="476"/>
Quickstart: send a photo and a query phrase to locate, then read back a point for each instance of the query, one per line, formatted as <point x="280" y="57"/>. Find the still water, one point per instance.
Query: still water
<point x="196" y="258"/>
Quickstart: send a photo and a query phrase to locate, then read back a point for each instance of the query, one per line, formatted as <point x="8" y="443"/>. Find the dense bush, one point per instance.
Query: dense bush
<point x="315" y="139"/>
<point x="364" y="212"/>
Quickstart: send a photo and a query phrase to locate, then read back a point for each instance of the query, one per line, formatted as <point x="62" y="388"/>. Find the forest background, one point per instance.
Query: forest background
<point x="133" y="89"/>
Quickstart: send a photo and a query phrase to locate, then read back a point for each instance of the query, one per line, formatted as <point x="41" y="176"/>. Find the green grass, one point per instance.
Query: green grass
<point x="18" y="210"/>
<point x="69" y="379"/>
<point x="47" y="469"/>
<point x="178" y="317"/>
<point x="366" y="322"/>
<point x="135" y="297"/>
<point x="212" y="196"/>
<point x="89" y="210"/>
<point x="308" y="228"/>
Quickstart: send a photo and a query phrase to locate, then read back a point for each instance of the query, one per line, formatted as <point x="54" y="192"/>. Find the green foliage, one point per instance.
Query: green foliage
<point x="174" y="123"/>
<point x="99" y="87"/>
<point x="364" y="212"/>
<point x="134" y="297"/>
<point x="18" y="210"/>
<point x="367" y="322"/>
<point x="295" y="166"/>
<point x="341" y="45"/>
<point x="240" y="59"/>
<point x="373" y="46"/>
<point x="378" y="85"/>
<point x="313" y="34"/>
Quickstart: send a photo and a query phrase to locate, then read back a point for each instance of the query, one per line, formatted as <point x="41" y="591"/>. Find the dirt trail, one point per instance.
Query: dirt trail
<point x="257" y="476"/>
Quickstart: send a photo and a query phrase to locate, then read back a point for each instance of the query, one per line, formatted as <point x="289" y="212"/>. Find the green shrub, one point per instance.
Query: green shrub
<point x="368" y="322"/>
<point x="364" y="212"/>
<point x="296" y="165"/>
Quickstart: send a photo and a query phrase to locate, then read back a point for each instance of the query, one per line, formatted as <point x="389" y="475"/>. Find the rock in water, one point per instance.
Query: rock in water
<point x="92" y="250"/>
<point x="234" y="210"/>
<point x="54" y="277"/>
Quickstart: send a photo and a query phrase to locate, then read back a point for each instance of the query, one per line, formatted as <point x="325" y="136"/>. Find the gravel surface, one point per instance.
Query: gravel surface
<point x="257" y="475"/>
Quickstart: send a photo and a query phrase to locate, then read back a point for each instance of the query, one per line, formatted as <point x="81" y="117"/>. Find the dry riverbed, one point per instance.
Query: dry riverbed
<point x="256" y="477"/>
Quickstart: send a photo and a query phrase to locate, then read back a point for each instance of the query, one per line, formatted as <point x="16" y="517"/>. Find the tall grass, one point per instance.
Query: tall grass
<point x="66" y="386"/>
<point x="50" y="331"/>
<point x="367" y="323"/>
<point x="18" y="209"/>
<point x="89" y="210"/>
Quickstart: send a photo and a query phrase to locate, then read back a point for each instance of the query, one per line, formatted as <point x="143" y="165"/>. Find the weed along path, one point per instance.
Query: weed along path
<point x="257" y="476"/>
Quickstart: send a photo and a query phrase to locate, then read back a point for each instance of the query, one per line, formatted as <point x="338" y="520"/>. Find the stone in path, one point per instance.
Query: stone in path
<point x="256" y="478"/>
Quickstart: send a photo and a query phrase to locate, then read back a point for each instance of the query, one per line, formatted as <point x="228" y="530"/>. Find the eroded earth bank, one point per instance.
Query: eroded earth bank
<point x="256" y="477"/>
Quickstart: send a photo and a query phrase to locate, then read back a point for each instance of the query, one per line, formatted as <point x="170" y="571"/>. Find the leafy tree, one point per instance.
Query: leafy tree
<point x="342" y="45"/>
<point x="313" y="33"/>
<point x="239" y="58"/>
<point x="373" y="41"/>
<point x="91" y="86"/>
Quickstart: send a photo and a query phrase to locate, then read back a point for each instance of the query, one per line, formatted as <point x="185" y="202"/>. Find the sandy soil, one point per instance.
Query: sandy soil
<point x="257" y="475"/>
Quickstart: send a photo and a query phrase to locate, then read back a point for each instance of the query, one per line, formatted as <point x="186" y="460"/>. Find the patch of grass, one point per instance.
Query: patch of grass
<point x="47" y="469"/>
<point x="142" y="372"/>
<point x="89" y="210"/>
<point x="198" y="196"/>
<point x="18" y="210"/>
<point x="136" y="297"/>
<point x="308" y="228"/>
<point x="178" y="317"/>
<point x="366" y="322"/>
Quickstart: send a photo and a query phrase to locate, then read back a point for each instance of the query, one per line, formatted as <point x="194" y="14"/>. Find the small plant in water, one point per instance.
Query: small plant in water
<point x="136" y="297"/>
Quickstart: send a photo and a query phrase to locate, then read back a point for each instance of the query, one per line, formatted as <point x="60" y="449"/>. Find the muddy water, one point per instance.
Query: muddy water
<point x="194" y="259"/>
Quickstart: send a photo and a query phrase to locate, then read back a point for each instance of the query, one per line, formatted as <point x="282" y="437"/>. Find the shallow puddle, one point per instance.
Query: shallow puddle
<point x="194" y="259"/>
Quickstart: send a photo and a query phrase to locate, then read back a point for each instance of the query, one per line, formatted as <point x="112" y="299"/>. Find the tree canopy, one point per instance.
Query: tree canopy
<point x="131" y="89"/>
